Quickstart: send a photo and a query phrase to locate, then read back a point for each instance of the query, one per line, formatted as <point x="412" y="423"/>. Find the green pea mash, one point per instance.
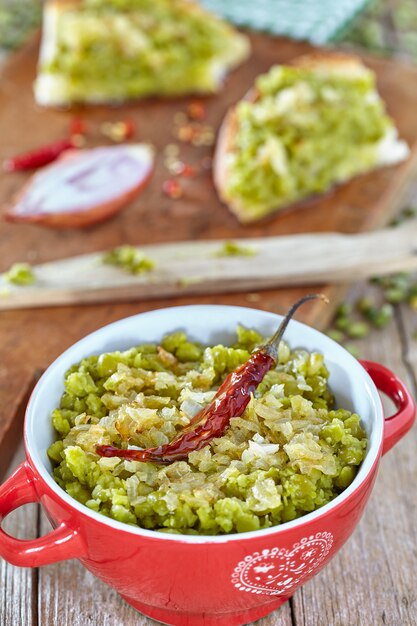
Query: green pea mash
<point x="129" y="259"/>
<point x="20" y="274"/>
<point x="289" y="453"/>
<point x="119" y="49"/>
<point x="308" y="129"/>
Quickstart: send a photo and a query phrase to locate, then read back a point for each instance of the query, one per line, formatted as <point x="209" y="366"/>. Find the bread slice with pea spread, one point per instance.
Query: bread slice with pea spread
<point x="303" y="128"/>
<point x="96" y="51"/>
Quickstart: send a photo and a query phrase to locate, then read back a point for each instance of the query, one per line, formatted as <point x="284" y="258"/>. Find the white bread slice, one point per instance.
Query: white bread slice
<point x="390" y="149"/>
<point x="52" y="89"/>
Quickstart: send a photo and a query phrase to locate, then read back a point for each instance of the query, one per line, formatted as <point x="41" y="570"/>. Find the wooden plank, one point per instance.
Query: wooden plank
<point x="282" y="617"/>
<point x="371" y="580"/>
<point x="70" y="596"/>
<point x="16" y="385"/>
<point x="18" y="586"/>
<point x="189" y="268"/>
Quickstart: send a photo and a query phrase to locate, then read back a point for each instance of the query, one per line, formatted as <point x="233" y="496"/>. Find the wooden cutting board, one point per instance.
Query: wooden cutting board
<point x="31" y="339"/>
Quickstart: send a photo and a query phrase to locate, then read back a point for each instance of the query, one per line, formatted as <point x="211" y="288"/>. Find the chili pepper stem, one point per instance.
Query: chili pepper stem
<point x="271" y="347"/>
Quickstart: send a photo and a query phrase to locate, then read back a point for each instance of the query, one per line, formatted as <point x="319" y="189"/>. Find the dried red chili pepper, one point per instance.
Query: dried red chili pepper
<point x="172" y="189"/>
<point x="129" y="128"/>
<point x="231" y="400"/>
<point x="78" y="126"/>
<point x="39" y="157"/>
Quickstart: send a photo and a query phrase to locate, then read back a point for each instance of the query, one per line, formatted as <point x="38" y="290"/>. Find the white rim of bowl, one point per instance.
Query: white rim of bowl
<point x="365" y="469"/>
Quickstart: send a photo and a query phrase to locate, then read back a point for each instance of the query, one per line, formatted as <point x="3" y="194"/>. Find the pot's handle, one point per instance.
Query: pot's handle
<point x="396" y="426"/>
<point x="62" y="543"/>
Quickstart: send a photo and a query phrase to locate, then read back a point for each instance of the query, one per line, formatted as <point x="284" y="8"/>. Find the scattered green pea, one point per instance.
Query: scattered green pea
<point x="344" y="310"/>
<point x="395" y="281"/>
<point x="385" y="28"/>
<point x="365" y="305"/>
<point x="354" y="351"/>
<point x="413" y="302"/>
<point x="413" y="289"/>
<point x="357" y="330"/>
<point x="232" y="248"/>
<point x="401" y="280"/>
<point x="342" y="323"/>
<point x="20" y="274"/>
<point x="395" y="295"/>
<point x="410" y="212"/>
<point x="129" y="259"/>
<point x="336" y="335"/>
<point x="406" y="214"/>
<point x="381" y="317"/>
<point x="377" y="280"/>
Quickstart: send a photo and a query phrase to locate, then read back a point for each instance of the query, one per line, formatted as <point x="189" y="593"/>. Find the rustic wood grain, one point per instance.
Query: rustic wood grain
<point x="15" y="389"/>
<point x="19" y="586"/>
<point x="70" y="596"/>
<point x="372" y="580"/>
<point x="61" y="602"/>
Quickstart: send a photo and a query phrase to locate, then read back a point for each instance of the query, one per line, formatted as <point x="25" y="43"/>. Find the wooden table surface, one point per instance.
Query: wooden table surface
<point x="370" y="582"/>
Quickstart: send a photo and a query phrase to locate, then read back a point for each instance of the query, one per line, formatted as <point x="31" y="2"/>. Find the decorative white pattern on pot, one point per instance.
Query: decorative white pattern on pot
<point x="278" y="571"/>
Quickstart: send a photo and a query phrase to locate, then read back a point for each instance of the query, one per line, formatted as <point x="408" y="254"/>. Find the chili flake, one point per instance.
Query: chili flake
<point x="196" y="110"/>
<point x="185" y="133"/>
<point x="187" y="170"/>
<point x="172" y="189"/>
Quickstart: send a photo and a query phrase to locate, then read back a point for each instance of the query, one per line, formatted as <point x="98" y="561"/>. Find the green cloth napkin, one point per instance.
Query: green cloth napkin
<point x="317" y="21"/>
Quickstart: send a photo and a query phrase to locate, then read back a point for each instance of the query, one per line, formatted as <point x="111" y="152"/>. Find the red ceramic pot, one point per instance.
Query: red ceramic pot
<point x="198" y="580"/>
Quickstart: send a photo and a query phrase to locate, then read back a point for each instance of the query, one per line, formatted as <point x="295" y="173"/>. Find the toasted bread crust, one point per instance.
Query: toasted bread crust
<point x="334" y="61"/>
<point x="224" y="146"/>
